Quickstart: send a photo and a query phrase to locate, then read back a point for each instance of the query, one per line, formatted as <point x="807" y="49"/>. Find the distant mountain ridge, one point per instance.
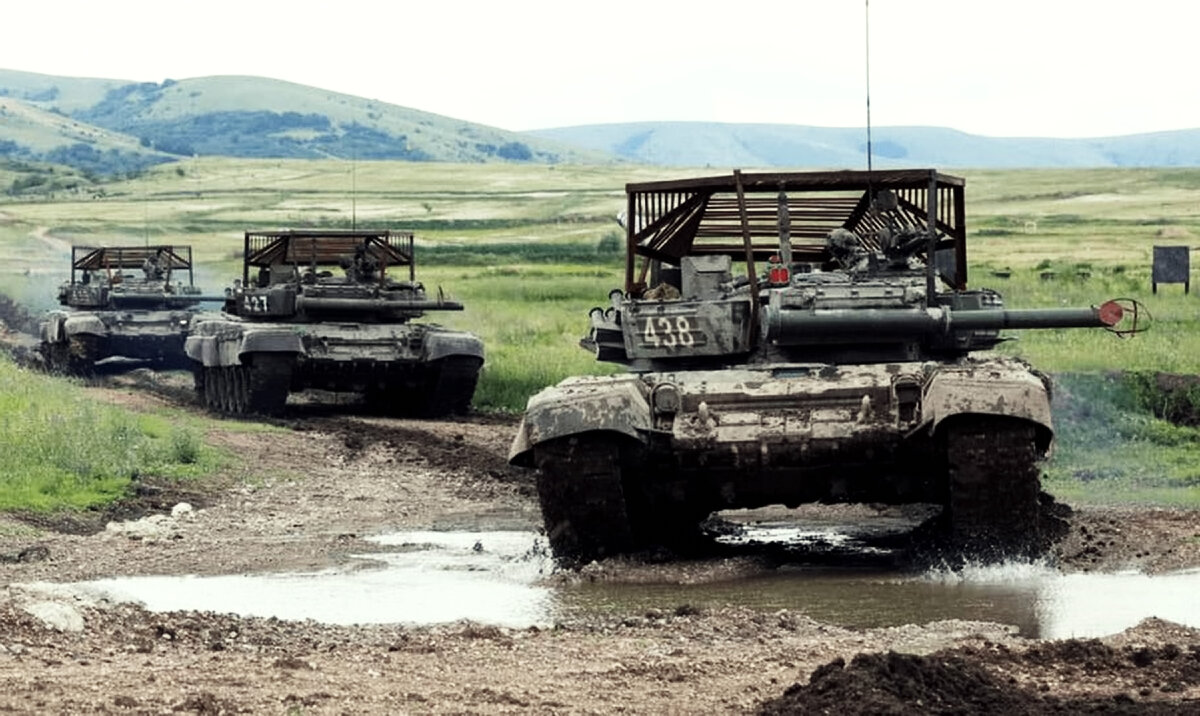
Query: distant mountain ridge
<point x="109" y="126"/>
<point x="778" y="145"/>
<point x="148" y="122"/>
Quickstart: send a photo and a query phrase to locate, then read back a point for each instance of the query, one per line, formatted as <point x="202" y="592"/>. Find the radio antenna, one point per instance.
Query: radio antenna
<point x="867" y="23"/>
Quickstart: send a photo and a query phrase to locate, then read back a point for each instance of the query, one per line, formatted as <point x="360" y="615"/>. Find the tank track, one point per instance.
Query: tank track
<point x="76" y="356"/>
<point x="451" y="387"/>
<point x="260" y="387"/>
<point x="993" y="503"/>
<point x="582" y="498"/>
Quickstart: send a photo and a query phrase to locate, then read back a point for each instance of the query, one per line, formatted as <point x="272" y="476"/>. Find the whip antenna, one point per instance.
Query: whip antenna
<point x="867" y="23"/>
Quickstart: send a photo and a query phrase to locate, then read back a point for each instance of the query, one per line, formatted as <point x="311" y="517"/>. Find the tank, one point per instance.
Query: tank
<point x="795" y="338"/>
<point x="129" y="301"/>
<point x="332" y="310"/>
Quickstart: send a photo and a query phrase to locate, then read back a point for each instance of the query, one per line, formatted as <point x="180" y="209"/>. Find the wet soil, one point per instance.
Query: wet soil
<point x="306" y="494"/>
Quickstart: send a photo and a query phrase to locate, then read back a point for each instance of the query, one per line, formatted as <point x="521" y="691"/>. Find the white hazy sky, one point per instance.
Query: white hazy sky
<point x="1057" y="68"/>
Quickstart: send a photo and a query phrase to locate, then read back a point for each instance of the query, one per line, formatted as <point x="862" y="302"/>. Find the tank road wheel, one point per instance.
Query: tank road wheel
<point x="583" y="503"/>
<point x="451" y="386"/>
<point x="993" y="487"/>
<point x="268" y="379"/>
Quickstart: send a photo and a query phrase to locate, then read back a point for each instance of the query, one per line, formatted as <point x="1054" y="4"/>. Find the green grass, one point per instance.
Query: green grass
<point x="63" y="450"/>
<point x="529" y="249"/>
<point x="1110" y="449"/>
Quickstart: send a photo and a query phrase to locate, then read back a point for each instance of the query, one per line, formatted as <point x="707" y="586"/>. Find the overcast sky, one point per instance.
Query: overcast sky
<point x="1056" y="68"/>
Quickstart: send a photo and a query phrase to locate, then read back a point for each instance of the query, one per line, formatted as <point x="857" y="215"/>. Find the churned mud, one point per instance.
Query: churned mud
<point x="315" y="493"/>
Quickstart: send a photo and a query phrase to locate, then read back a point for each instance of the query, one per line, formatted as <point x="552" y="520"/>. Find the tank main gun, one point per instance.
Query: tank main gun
<point x="836" y="267"/>
<point x="795" y="327"/>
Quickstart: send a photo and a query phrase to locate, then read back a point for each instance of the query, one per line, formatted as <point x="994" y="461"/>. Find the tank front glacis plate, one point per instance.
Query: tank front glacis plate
<point x="790" y="407"/>
<point x="146" y="322"/>
<point x="360" y="341"/>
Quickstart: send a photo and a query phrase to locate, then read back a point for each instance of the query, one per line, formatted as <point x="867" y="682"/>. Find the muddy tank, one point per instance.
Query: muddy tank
<point x="332" y="310"/>
<point x="122" y="301"/>
<point x="793" y="338"/>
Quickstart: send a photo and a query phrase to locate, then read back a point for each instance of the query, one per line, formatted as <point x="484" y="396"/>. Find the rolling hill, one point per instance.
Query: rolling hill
<point x="241" y="117"/>
<point x="107" y="126"/>
<point x="777" y="145"/>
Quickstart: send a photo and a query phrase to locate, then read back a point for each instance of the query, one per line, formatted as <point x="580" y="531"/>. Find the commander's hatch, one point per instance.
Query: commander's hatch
<point x="741" y="216"/>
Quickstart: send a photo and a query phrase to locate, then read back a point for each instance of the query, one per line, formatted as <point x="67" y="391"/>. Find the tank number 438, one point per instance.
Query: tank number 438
<point x="670" y="332"/>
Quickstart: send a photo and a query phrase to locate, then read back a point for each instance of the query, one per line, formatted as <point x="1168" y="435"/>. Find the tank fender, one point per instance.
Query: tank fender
<point x="216" y="344"/>
<point x="582" y="405"/>
<point x="270" y="341"/>
<point x="86" y="324"/>
<point x="439" y="344"/>
<point x="1007" y="392"/>
<point x="51" y="329"/>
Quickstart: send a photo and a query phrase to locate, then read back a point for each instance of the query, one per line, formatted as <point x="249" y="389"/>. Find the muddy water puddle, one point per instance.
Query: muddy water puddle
<point x="501" y="578"/>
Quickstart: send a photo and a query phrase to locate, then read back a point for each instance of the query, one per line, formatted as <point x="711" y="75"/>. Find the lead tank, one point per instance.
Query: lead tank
<point x="793" y="338"/>
<point x="325" y="309"/>
<point x="127" y="301"/>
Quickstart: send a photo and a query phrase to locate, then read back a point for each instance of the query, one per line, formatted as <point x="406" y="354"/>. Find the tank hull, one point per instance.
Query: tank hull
<point x="404" y="368"/>
<point x="693" y="442"/>
<point x="74" y="341"/>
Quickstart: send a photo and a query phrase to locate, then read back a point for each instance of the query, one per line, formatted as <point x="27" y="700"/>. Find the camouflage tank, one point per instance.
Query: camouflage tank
<point x="128" y="301"/>
<point x="841" y="371"/>
<point x="320" y="309"/>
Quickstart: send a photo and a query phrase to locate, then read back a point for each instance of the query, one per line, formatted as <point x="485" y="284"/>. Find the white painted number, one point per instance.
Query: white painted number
<point x="662" y="332"/>
<point x="255" y="304"/>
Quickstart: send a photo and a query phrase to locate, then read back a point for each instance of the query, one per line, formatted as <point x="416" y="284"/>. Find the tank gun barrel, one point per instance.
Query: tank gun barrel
<point x="797" y="327"/>
<point x="368" y="305"/>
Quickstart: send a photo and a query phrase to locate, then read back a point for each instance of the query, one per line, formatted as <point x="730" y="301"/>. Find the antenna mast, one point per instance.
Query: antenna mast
<point x="867" y="23"/>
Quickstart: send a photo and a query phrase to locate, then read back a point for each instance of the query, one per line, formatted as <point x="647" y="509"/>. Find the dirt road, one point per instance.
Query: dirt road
<point x="306" y="495"/>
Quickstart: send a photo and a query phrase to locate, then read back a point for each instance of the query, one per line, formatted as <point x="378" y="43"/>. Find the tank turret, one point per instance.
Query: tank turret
<point x="310" y="276"/>
<point x="797" y="337"/>
<point x="333" y="310"/>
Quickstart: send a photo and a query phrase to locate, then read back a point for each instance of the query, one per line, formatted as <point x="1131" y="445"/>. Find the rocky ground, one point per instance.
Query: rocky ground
<point x="306" y="494"/>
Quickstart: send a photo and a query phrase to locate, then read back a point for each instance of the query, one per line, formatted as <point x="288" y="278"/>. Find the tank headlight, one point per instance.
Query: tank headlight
<point x="665" y="399"/>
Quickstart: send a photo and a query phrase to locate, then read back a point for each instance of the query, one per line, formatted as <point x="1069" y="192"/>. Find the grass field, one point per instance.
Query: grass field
<point x="530" y="248"/>
<point x="63" y="451"/>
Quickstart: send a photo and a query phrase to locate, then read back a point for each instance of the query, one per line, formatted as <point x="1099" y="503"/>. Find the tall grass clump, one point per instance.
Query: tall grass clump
<point x="61" y="450"/>
<point x="1110" y="448"/>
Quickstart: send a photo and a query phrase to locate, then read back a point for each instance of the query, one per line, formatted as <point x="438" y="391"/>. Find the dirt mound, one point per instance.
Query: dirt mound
<point x="894" y="683"/>
<point x="958" y="682"/>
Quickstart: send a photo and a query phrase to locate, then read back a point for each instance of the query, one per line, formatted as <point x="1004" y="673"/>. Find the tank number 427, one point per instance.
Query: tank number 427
<point x="671" y="332"/>
<point x="254" y="304"/>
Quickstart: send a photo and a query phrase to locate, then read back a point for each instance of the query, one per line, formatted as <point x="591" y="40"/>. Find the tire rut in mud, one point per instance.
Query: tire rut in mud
<point x="440" y="446"/>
